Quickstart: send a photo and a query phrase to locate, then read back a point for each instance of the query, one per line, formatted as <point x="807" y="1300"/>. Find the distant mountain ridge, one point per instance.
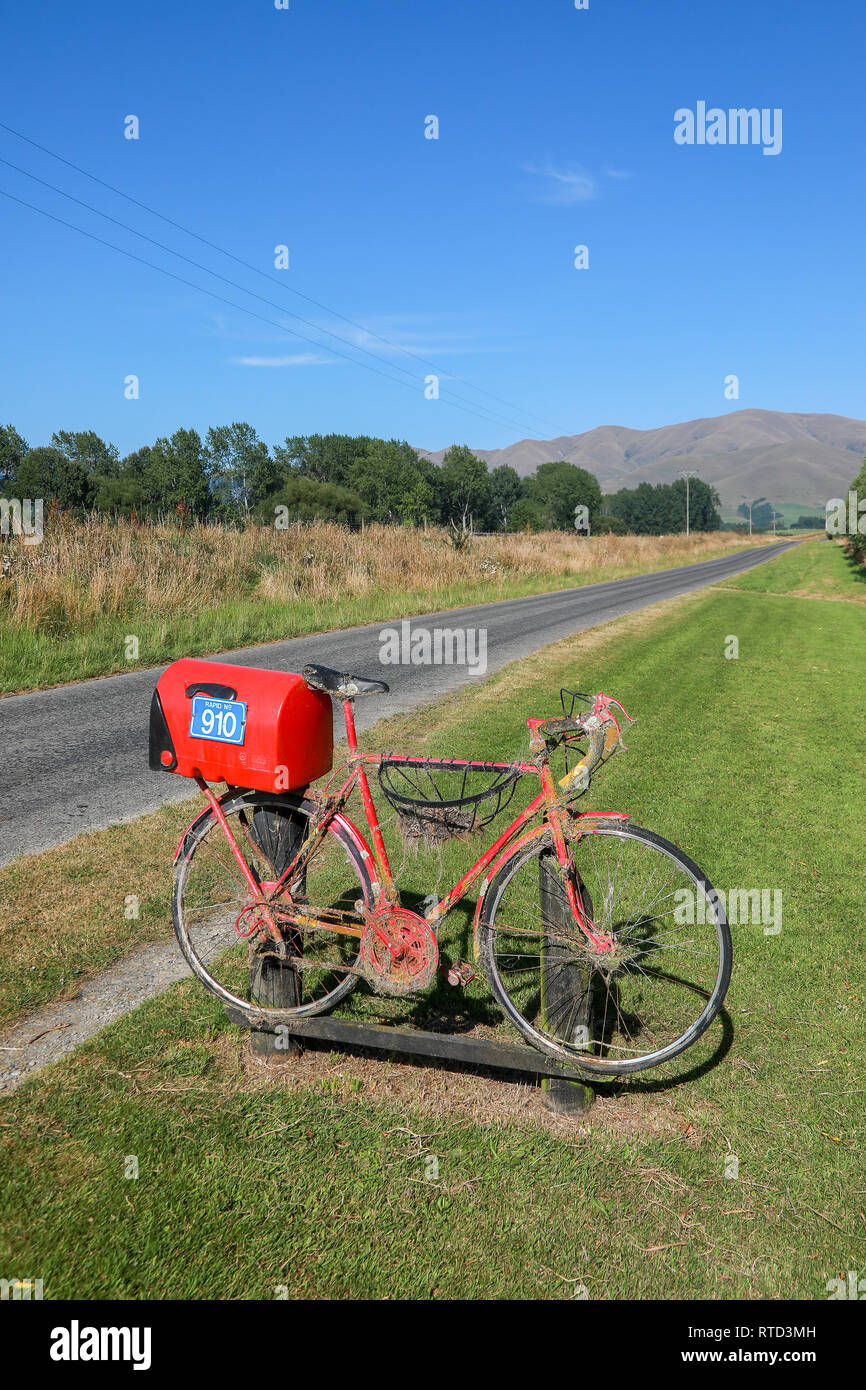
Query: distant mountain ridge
<point x="787" y="457"/>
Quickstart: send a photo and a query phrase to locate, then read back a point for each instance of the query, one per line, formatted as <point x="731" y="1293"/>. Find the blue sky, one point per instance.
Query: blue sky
<point x="305" y="127"/>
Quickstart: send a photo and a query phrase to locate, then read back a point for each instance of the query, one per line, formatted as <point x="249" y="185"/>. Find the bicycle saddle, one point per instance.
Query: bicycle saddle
<point x="341" y="682"/>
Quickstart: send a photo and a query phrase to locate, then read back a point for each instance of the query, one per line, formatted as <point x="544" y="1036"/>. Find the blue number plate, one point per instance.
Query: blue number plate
<point x="223" y="721"/>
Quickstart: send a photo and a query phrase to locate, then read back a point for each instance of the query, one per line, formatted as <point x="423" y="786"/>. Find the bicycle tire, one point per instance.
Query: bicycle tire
<point x="196" y="836"/>
<point x="597" y="1065"/>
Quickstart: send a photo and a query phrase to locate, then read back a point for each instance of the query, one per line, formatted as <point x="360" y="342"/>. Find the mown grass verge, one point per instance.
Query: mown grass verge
<point x="822" y="569"/>
<point x="322" y="1181"/>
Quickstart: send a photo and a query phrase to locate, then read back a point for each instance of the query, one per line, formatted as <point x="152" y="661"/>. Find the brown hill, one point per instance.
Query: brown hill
<point x="787" y="457"/>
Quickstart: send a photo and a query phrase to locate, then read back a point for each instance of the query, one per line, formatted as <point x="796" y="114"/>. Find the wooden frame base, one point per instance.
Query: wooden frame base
<point x="567" y="1092"/>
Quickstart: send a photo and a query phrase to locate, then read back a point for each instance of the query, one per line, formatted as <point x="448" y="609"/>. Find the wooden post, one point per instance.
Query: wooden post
<point x="273" y="983"/>
<point x="566" y="1001"/>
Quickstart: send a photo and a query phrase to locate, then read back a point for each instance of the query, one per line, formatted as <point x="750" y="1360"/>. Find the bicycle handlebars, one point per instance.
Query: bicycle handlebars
<point x="604" y="738"/>
<point x="602" y="729"/>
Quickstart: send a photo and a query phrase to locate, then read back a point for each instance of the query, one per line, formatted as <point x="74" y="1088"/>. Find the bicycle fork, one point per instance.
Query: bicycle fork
<point x="601" y="941"/>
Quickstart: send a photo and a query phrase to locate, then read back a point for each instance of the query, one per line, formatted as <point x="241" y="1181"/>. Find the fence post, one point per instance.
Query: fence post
<point x="273" y="983"/>
<point x="566" y="1000"/>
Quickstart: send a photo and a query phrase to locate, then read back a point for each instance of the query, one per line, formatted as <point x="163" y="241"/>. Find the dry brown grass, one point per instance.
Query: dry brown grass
<point x="449" y="1093"/>
<point x="101" y="569"/>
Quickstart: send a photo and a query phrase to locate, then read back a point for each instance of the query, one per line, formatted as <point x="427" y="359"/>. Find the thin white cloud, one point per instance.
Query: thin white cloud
<point x="298" y="359"/>
<point x="425" y="336"/>
<point x="396" y="334"/>
<point x="617" y="174"/>
<point x="566" y="185"/>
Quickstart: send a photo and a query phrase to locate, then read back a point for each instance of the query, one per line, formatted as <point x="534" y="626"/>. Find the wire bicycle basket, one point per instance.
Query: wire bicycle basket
<point x="573" y="702"/>
<point x="439" y="798"/>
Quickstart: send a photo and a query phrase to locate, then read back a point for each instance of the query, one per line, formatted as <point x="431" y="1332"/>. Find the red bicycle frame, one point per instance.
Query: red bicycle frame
<point x="558" y="816"/>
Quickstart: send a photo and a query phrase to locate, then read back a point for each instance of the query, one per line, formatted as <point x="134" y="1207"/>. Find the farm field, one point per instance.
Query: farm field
<point x="787" y="513"/>
<point x="735" y="1171"/>
<point x="103" y="596"/>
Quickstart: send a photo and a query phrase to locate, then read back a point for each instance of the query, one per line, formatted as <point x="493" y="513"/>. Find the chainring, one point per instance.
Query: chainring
<point x="406" y="960"/>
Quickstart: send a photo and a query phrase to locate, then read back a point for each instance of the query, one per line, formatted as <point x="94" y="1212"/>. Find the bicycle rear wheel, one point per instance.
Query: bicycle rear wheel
<point x="647" y="1000"/>
<point x="215" y="920"/>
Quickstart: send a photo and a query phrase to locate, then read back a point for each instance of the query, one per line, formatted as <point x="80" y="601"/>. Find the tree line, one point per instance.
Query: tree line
<point x="856" y="538"/>
<point x="658" y="509"/>
<point x="233" y="476"/>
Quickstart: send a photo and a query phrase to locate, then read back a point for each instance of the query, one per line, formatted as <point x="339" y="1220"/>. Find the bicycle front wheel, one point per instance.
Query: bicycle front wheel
<point x="220" y="928"/>
<point x="627" y="1009"/>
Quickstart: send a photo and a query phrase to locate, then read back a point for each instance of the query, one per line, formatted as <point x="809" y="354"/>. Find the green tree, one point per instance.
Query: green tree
<point x="704" y="505"/>
<point x="464" y="486"/>
<point x="857" y="542"/>
<point x="505" y="489"/>
<point x="610" y="526"/>
<point x="88" y="449"/>
<point x="48" y="473"/>
<point x="304" y="499"/>
<point x="638" y="508"/>
<point x="762" y="513"/>
<point x="390" y="480"/>
<point x="525" y="514"/>
<point x="175" y="473"/>
<point x="118" y="496"/>
<point x="13" y="448"/>
<point x="135" y="466"/>
<point x="239" y="466"/>
<point x="327" y="458"/>
<point x="558" y="488"/>
<point x="660" y="510"/>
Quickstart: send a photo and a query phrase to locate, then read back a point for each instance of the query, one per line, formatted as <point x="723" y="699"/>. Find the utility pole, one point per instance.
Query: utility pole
<point x="749" y="505"/>
<point x="688" y="473"/>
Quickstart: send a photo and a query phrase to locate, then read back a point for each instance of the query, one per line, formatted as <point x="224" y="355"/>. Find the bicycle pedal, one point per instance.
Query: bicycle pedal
<point x="461" y="973"/>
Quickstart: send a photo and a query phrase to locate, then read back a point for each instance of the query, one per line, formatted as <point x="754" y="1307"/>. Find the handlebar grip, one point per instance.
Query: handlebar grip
<point x="603" y="739"/>
<point x="555" y="728"/>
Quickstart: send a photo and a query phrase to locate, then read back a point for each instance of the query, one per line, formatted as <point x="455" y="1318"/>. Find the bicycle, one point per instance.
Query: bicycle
<point x="603" y="943"/>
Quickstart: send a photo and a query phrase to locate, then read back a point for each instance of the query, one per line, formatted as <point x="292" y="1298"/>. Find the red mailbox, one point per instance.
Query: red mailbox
<point x="249" y="727"/>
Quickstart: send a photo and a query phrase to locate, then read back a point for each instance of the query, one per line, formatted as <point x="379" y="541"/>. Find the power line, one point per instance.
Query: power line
<point x="488" y="415"/>
<point x="265" y="275"/>
<point x="218" y="297"/>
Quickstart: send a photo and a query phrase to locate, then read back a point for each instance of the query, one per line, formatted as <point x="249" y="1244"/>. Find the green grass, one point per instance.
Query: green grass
<point x="67" y="908"/>
<point x="821" y="569"/>
<point x="317" y="1181"/>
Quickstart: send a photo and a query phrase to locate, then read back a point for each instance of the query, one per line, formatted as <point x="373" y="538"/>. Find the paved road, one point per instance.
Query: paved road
<point x="75" y="758"/>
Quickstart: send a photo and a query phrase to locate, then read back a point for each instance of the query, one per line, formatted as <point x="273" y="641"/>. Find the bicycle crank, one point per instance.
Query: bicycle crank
<point x="399" y="952"/>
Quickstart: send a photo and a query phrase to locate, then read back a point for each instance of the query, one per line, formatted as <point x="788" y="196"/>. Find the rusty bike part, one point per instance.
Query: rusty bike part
<point x="399" y="951"/>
